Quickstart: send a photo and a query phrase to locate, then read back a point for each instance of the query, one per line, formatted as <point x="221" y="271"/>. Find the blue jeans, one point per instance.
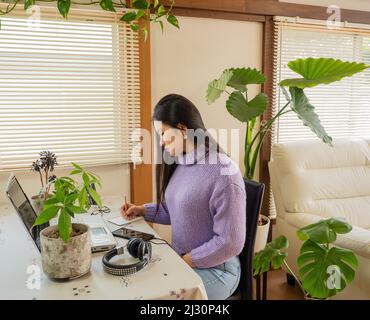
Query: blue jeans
<point x="221" y="281"/>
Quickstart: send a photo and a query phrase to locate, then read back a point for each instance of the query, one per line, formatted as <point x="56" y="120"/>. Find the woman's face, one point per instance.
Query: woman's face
<point x="171" y="138"/>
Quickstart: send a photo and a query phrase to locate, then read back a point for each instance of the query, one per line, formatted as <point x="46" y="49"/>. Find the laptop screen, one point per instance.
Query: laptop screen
<point x="25" y="211"/>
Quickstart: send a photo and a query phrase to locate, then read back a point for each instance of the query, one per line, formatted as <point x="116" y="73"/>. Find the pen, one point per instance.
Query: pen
<point x="126" y="205"/>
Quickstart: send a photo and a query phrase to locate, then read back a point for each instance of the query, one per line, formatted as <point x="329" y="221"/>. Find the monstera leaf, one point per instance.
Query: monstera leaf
<point x="321" y="71"/>
<point x="325" y="271"/>
<point x="244" y="76"/>
<point x="306" y="112"/>
<point x="270" y="256"/>
<point x="218" y="86"/>
<point x="245" y="110"/>
<point x="324" y="231"/>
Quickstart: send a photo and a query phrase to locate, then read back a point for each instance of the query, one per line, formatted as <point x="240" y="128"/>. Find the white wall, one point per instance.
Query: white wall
<point x="362" y="5"/>
<point x="184" y="61"/>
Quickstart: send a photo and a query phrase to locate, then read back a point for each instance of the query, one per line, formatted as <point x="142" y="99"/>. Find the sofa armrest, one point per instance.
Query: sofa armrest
<point x="357" y="240"/>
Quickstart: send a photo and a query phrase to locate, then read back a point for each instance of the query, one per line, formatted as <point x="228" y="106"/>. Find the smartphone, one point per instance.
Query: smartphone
<point x="129" y="233"/>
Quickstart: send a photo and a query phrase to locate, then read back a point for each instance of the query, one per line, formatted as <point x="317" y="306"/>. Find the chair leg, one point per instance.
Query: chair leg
<point x="290" y="279"/>
<point x="258" y="287"/>
<point x="264" y="286"/>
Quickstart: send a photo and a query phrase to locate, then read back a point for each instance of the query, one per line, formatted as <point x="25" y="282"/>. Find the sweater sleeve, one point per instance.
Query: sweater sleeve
<point x="161" y="217"/>
<point x="229" y="226"/>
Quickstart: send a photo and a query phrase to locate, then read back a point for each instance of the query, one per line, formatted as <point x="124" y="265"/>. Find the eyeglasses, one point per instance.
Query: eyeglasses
<point x="95" y="210"/>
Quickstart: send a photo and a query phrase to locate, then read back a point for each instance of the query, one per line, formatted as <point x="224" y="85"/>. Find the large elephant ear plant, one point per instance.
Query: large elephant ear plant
<point x="313" y="72"/>
<point x="324" y="270"/>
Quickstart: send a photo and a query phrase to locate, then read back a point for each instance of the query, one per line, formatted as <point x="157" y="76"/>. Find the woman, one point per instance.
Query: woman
<point x="201" y="195"/>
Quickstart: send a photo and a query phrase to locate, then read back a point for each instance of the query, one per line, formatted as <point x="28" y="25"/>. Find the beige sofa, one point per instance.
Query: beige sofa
<point x="312" y="181"/>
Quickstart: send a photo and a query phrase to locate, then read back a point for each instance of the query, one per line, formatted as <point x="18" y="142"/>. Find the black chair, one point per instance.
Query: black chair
<point x="254" y="191"/>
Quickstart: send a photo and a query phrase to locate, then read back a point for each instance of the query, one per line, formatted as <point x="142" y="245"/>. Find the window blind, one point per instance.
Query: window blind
<point x="68" y="86"/>
<point x="343" y="107"/>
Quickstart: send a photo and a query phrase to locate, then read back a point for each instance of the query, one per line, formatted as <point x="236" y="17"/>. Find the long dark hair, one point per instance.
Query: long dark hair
<point x="173" y="110"/>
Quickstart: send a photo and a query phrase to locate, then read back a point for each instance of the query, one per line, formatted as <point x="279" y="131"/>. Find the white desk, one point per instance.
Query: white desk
<point x="167" y="277"/>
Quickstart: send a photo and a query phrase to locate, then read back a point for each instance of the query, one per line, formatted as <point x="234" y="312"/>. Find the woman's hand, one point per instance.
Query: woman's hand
<point x="188" y="260"/>
<point x="130" y="211"/>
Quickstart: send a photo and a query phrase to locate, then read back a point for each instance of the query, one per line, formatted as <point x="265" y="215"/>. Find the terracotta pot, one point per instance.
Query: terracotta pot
<point x="66" y="261"/>
<point x="262" y="234"/>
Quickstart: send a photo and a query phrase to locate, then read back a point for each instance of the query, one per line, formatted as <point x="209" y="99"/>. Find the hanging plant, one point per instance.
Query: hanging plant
<point x="150" y="11"/>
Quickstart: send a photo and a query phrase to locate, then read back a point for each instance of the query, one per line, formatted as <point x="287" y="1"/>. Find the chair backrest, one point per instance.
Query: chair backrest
<point x="254" y="191"/>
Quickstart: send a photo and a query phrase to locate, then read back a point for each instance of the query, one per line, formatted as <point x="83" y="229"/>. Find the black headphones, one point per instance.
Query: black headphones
<point x="138" y="248"/>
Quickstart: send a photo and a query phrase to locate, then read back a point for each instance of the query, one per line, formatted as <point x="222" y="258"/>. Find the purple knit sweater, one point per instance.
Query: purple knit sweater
<point x="205" y="203"/>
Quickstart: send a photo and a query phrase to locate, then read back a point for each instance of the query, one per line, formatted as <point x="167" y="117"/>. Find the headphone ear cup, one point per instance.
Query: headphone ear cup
<point x="133" y="247"/>
<point x="141" y="250"/>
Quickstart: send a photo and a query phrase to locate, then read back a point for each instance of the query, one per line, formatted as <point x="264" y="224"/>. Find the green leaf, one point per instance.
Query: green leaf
<point x="46" y="215"/>
<point x="243" y="110"/>
<point x="324" y="231"/>
<point x="306" y="112"/>
<point x="218" y="86"/>
<point x="140" y="4"/>
<point x="71" y="198"/>
<point x="155" y="3"/>
<point x="65" y="226"/>
<point x="86" y="179"/>
<point x="286" y="94"/>
<point x="82" y="198"/>
<point x="129" y="16"/>
<point x="339" y="226"/>
<point x="316" y="264"/>
<point x="140" y="13"/>
<point x="161" y="11"/>
<point x="51" y="200"/>
<point x="107" y="5"/>
<point x="134" y="27"/>
<point x="321" y="71"/>
<point x="59" y="194"/>
<point x="173" y="20"/>
<point x="95" y="196"/>
<point x="63" y="7"/>
<point x="161" y="25"/>
<point x="271" y="255"/>
<point x="28" y="4"/>
<point x="75" y="172"/>
<point x="244" y="76"/>
<point x="69" y="211"/>
<point x="76" y="209"/>
<point x="77" y="166"/>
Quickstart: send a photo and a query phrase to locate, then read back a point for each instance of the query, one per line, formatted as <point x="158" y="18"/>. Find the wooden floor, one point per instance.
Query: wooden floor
<point x="278" y="288"/>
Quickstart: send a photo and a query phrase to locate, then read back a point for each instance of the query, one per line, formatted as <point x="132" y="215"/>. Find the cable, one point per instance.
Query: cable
<point x="156" y="243"/>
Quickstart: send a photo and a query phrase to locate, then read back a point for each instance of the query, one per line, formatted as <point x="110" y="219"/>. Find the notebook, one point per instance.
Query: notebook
<point x="120" y="221"/>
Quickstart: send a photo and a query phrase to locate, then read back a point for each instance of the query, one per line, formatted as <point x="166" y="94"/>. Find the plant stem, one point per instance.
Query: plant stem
<point x="262" y="134"/>
<point x="295" y="277"/>
<point x="42" y="182"/>
<point x="9" y="8"/>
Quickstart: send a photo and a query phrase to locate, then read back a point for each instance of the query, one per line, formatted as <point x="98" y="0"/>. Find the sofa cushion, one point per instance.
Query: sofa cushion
<point x="327" y="181"/>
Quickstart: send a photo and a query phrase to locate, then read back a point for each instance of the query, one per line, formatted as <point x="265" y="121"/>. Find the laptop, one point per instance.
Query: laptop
<point x="101" y="237"/>
<point x="24" y="209"/>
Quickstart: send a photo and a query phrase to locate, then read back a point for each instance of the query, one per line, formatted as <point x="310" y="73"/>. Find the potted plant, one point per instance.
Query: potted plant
<point x="65" y="247"/>
<point x="324" y="270"/>
<point x="44" y="166"/>
<point x="313" y="72"/>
